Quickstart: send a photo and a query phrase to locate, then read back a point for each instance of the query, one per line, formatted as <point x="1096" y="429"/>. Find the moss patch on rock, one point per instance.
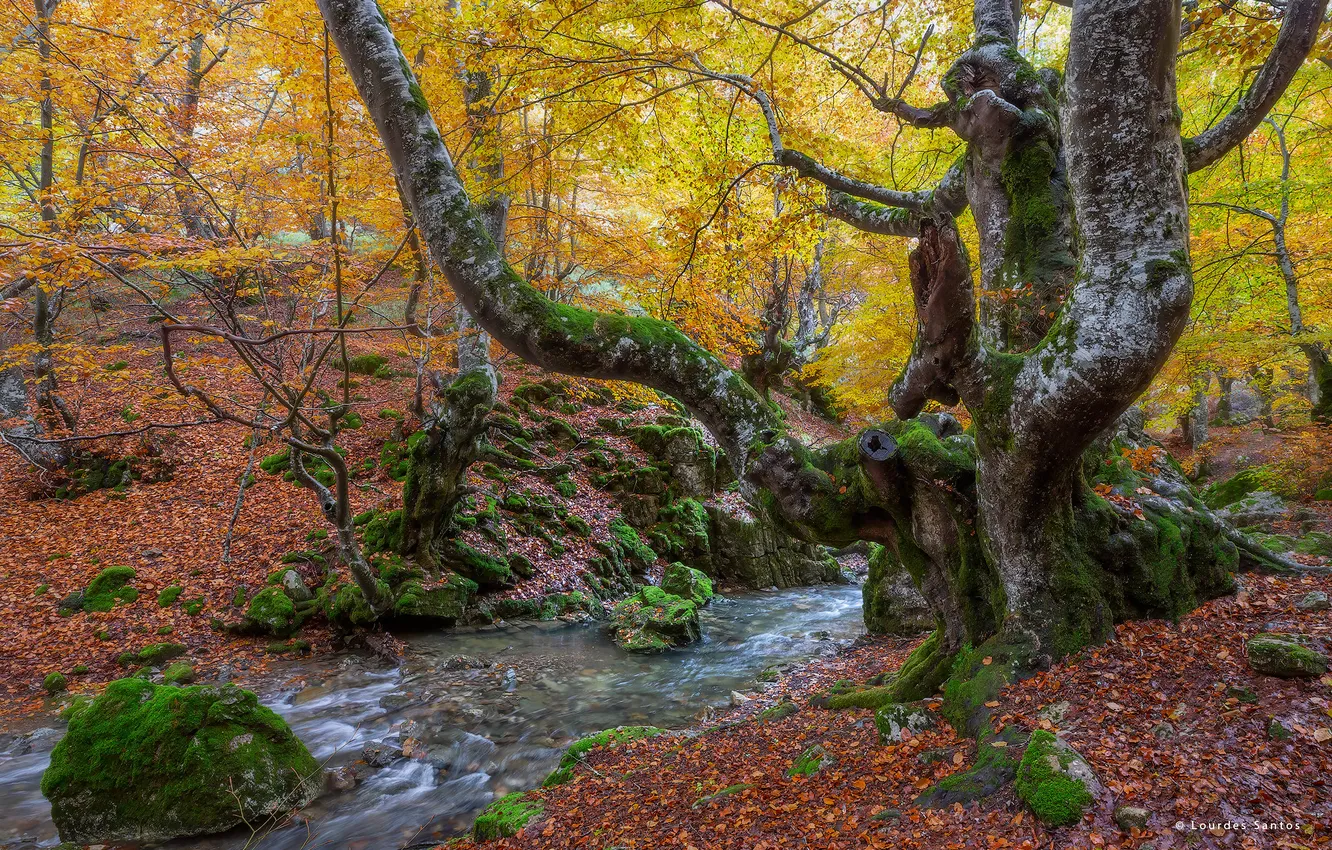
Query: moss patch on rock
<point x="1286" y="656"/>
<point x="109" y="587"/>
<point x="653" y="620"/>
<point x="145" y="762"/>
<point x="1047" y="781"/>
<point x="687" y="583"/>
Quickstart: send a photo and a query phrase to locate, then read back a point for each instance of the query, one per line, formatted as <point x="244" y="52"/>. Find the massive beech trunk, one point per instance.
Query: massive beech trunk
<point x="1000" y="529"/>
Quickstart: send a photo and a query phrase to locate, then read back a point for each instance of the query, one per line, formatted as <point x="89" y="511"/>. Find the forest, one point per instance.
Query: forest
<point x="631" y="424"/>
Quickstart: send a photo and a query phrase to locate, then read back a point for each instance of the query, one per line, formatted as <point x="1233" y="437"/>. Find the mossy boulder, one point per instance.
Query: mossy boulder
<point x="363" y="364"/>
<point x="439" y="604"/>
<point x="54" y="683"/>
<point x="653" y="620"/>
<point x="180" y="673"/>
<point x="897" y="721"/>
<point x="1236" y="487"/>
<point x="169" y="595"/>
<point x="687" y="583"/>
<point x="145" y="762"/>
<point x="811" y="761"/>
<point x="506" y="816"/>
<point x="1053" y="780"/>
<point x="272" y="612"/>
<point x="1286" y="656"/>
<point x="109" y="587"/>
<point x="609" y="739"/>
<point x="153" y="655"/>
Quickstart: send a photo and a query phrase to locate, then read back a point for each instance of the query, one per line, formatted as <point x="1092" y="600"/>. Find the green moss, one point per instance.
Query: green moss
<point x="154" y="655"/>
<point x="271" y="611"/>
<point x="180" y="673"/>
<point x="811" y="761"/>
<point x="609" y="739"/>
<point x="54" y="683"/>
<point x="1043" y="783"/>
<point x="169" y="595"/>
<point x="728" y="791"/>
<point x="777" y="712"/>
<point x="1234" y="488"/>
<point x="384" y="532"/>
<point x="488" y="571"/>
<point x="977" y="677"/>
<point x="632" y="546"/>
<point x="872" y="697"/>
<point x="653" y="620"/>
<point x="110" y="586"/>
<point x="924" y="671"/>
<point x="506" y="816"/>
<point x="144" y="762"/>
<point x="687" y="583"/>
<point x="364" y="364"/>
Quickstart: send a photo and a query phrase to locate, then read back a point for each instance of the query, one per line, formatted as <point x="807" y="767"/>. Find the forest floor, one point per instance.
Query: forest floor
<point x="1169" y="715"/>
<point x="172" y="532"/>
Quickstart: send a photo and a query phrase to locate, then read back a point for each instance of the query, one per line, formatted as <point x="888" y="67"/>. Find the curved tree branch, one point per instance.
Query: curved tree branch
<point x="1299" y="29"/>
<point x="551" y="335"/>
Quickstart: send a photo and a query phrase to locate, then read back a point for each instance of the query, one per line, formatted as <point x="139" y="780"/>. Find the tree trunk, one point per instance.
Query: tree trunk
<point x="455" y="422"/>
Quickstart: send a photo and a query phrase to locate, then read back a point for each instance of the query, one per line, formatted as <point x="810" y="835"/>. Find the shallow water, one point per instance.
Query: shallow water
<point x="484" y="732"/>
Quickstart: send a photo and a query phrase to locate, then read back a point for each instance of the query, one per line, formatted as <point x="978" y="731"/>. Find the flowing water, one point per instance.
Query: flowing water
<point x="484" y="712"/>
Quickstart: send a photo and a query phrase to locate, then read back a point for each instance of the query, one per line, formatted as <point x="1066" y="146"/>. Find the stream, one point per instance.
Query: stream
<point x="492" y="711"/>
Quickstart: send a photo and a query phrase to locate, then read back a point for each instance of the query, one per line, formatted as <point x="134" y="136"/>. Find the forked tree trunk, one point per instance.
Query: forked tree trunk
<point x="1005" y="537"/>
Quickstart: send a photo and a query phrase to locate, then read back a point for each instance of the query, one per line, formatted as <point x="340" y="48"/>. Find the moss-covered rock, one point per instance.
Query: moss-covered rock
<point x="811" y="761"/>
<point x="145" y="762"/>
<point x="180" y="673"/>
<point x="54" y="683"/>
<point x="507" y="816"/>
<point x="752" y="552"/>
<point x="169" y="595"/>
<point x="896" y="721"/>
<point x="1234" y="488"/>
<point x="440" y="604"/>
<point x="363" y="364"/>
<point x="653" y="620"/>
<point x="153" y="655"/>
<point x="271" y="611"/>
<point x="1287" y="656"/>
<point x="109" y="587"/>
<point x="490" y="572"/>
<point x="845" y="694"/>
<point x="608" y="739"/>
<point x="1054" y="780"/>
<point x="687" y="583"/>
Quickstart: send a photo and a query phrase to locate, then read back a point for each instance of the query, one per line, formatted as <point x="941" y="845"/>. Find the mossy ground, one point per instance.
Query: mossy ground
<point x="506" y="816"/>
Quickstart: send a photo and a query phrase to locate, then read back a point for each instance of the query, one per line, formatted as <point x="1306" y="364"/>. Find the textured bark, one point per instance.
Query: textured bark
<point x="454" y="421"/>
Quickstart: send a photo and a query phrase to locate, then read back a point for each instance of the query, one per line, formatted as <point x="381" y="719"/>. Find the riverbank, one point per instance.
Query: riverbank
<point x="419" y="748"/>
